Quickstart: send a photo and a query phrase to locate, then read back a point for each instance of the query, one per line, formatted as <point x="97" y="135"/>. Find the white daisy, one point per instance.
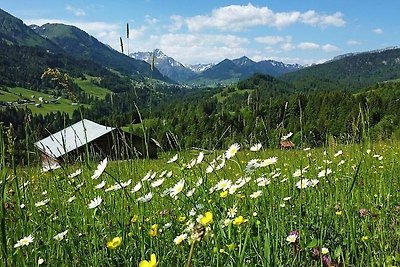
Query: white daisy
<point x="256" y="194"/>
<point x="200" y="158"/>
<point x="177" y="188"/>
<point x="303" y="183"/>
<point x="145" y="198"/>
<point x="24" y="241"/>
<point x="173" y="159"/>
<point x="157" y="183"/>
<point x="95" y="202"/>
<point x="42" y="203"/>
<point x="100" y="169"/>
<point x="232" y="150"/>
<point x="256" y="147"/>
<point x="76" y="173"/>
<point x="100" y="185"/>
<point x="137" y="187"/>
<point x="60" y="236"/>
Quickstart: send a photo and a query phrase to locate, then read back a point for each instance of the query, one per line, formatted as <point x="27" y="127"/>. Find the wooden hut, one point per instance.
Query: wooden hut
<point x="87" y="136"/>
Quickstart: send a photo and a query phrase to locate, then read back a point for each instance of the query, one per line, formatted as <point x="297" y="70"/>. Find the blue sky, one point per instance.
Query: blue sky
<point x="205" y="31"/>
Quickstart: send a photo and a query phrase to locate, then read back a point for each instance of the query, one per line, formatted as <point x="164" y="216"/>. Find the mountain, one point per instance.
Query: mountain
<point x="14" y="31"/>
<point x="350" y="71"/>
<point x="80" y="44"/>
<point x="241" y="68"/>
<point x="166" y="65"/>
<point x="198" y="68"/>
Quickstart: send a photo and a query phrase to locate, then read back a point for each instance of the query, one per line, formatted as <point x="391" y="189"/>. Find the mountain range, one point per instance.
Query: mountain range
<point x="59" y="44"/>
<point x="226" y="70"/>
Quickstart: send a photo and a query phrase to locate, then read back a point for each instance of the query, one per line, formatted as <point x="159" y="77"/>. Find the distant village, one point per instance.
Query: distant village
<point x="37" y="101"/>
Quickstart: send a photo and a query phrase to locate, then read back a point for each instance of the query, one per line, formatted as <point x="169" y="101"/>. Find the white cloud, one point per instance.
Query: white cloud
<point x="76" y="11"/>
<point x="177" y="23"/>
<point x="288" y="47"/>
<point x="353" y="42"/>
<point x="240" y="17"/>
<point x="377" y="31"/>
<point x="273" y="39"/>
<point x="330" y="48"/>
<point x="308" y="46"/>
<point x="150" y="20"/>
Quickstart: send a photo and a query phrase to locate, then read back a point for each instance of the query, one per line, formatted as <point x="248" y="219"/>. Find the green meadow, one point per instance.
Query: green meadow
<point x="333" y="206"/>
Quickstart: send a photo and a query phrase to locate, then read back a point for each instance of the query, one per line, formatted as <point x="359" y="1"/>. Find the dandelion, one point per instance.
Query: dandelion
<point x="256" y="194"/>
<point x="173" y="159"/>
<point x="303" y="183"/>
<point x="153" y="230"/>
<point x="232" y="150"/>
<point x="206" y="219"/>
<point x="179" y="239"/>
<point x="24" y="241"/>
<point x="239" y="220"/>
<point x="114" y="243"/>
<point x="76" y="173"/>
<point x="157" y="183"/>
<point x="181" y="219"/>
<point x="60" y="236"/>
<point x="256" y="147"/>
<point x="136" y="187"/>
<point x="100" y="185"/>
<point x="95" y="202"/>
<point x="42" y="203"/>
<point x="223" y="194"/>
<point x="178" y="187"/>
<point x="145" y="198"/>
<point x="151" y="263"/>
<point x="100" y="169"/>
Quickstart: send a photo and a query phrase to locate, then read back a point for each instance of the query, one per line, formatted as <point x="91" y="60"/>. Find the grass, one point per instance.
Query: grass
<point x="90" y="88"/>
<point x="19" y="93"/>
<point x="353" y="210"/>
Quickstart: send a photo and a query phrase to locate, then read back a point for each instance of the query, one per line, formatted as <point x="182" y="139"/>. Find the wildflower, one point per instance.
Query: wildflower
<point x="239" y="220"/>
<point x="42" y="203"/>
<point x="95" y="202"/>
<point x="157" y="183"/>
<point x="313" y="182"/>
<point x="364" y="238"/>
<point x="100" y="169"/>
<point x="60" y="236"/>
<point x="256" y="194"/>
<point x="179" y="239"/>
<point x="191" y="164"/>
<point x="136" y="187"/>
<point x="173" y="159"/>
<point x="232" y="212"/>
<point x="297" y="173"/>
<point x="252" y="165"/>
<point x="169" y="174"/>
<point x="153" y="230"/>
<point x="221" y="164"/>
<point x="324" y="251"/>
<point x="178" y="187"/>
<point x="190" y="192"/>
<point x="134" y="218"/>
<point x="24" y="241"/>
<point x="22" y="206"/>
<point x="256" y="147"/>
<point x="223" y="194"/>
<point x="223" y="184"/>
<point x="147" y="176"/>
<point x="337" y="154"/>
<point x="181" y="219"/>
<point x="200" y="158"/>
<point x="338" y="212"/>
<point x="285" y="137"/>
<point x="293" y="237"/>
<point x="40" y="261"/>
<point x="326" y="261"/>
<point x="76" y="173"/>
<point x="303" y="183"/>
<point x="151" y="263"/>
<point x="232" y="150"/>
<point x="206" y="219"/>
<point x="363" y="212"/>
<point x="324" y="173"/>
<point x="125" y="184"/>
<point x="100" y="185"/>
<point x="114" y="243"/>
<point x="262" y="181"/>
<point x="287" y="198"/>
<point x="146" y="198"/>
<point x="269" y="161"/>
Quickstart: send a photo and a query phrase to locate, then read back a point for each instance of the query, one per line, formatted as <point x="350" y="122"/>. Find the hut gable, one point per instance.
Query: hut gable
<point x="72" y="138"/>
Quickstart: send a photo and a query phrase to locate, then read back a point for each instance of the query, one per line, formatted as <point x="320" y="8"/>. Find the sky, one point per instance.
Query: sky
<point x="208" y="31"/>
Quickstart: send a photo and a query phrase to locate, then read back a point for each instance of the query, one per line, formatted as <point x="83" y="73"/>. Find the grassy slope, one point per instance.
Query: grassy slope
<point x="89" y="87"/>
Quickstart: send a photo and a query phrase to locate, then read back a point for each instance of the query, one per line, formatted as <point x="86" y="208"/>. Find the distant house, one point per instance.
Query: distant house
<point x="87" y="136"/>
<point x="287" y="144"/>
